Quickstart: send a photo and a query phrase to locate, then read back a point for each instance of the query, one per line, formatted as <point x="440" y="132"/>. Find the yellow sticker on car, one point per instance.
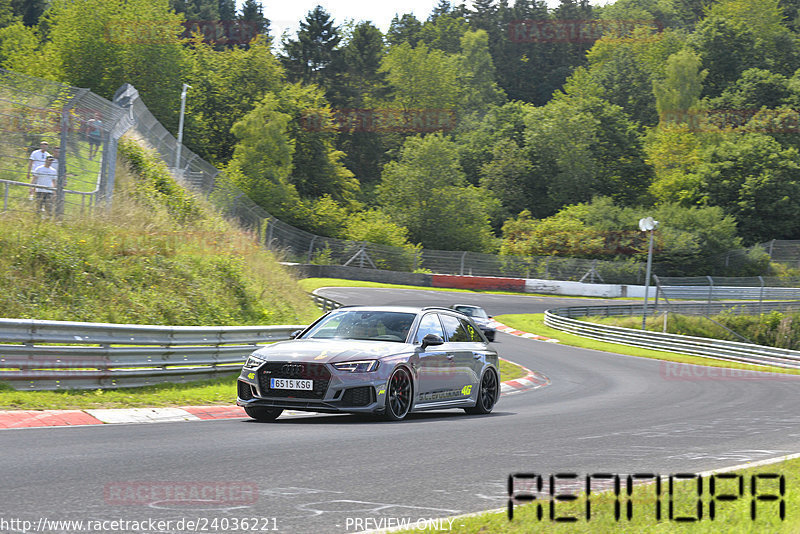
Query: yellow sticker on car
<point x="466" y="390"/>
<point x="251" y="376"/>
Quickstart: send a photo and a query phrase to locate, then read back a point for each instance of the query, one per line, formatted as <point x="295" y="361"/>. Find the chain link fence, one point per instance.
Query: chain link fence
<point x="80" y="130"/>
<point x="299" y="246"/>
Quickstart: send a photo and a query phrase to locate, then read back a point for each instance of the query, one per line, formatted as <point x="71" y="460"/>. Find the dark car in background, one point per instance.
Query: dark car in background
<point x="383" y="360"/>
<point x="479" y="317"/>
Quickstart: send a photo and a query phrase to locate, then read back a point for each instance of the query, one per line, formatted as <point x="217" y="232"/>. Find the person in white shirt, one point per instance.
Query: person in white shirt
<point x="37" y="157"/>
<point x="45" y="176"/>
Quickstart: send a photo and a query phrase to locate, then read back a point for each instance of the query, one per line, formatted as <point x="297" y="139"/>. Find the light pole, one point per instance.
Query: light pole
<point x="647" y="225"/>
<point x="186" y="87"/>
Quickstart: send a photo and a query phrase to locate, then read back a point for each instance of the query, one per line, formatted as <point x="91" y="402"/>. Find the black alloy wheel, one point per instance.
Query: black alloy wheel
<point x="262" y="414"/>
<point x="398" y="395"/>
<point x="487" y="395"/>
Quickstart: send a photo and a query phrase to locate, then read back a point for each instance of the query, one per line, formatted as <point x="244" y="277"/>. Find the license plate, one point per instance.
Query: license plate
<point x="291" y="383"/>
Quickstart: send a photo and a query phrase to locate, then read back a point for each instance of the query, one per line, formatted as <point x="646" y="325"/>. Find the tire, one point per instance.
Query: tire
<point x="399" y="395"/>
<point x="487" y="394"/>
<point x="262" y="414"/>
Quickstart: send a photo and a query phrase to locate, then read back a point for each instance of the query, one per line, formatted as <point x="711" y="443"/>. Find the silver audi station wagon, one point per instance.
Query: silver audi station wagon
<point x="383" y="360"/>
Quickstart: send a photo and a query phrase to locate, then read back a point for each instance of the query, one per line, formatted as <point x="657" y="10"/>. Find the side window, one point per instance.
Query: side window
<point x="474" y="335"/>
<point x="455" y="329"/>
<point x="429" y="324"/>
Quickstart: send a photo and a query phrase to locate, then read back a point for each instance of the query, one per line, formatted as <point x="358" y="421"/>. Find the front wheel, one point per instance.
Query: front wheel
<point x="262" y="414"/>
<point x="398" y="395"/>
<point x="487" y="394"/>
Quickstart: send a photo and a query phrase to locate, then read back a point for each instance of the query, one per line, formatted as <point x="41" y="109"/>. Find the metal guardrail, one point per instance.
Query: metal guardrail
<point x="325" y="304"/>
<point x="52" y="355"/>
<point x="564" y="319"/>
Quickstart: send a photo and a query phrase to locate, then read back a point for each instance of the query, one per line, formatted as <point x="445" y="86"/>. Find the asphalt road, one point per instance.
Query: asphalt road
<point x="602" y="413"/>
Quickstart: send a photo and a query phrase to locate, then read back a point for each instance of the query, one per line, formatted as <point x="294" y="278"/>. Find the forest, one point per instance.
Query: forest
<point x="498" y="127"/>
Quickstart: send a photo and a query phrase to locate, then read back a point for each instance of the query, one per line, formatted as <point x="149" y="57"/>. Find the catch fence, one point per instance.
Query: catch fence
<point x="81" y="130"/>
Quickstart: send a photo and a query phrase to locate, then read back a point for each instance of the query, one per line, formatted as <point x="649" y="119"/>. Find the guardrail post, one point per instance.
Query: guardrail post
<point x="464" y="255"/>
<point x="311" y="248"/>
<point x="270" y="227"/>
<point x="710" y="293"/>
<point x="761" y="294"/>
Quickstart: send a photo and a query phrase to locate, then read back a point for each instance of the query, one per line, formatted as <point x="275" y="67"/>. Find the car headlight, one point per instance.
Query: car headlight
<point x="253" y="362"/>
<point x="361" y="366"/>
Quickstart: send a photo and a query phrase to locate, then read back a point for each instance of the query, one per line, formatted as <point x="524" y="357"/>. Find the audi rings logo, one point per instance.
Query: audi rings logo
<point x="292" y="369"/>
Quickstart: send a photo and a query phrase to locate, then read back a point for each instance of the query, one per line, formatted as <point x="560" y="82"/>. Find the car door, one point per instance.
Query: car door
<point x="461" y="353"/>
<point x="433" y="363"/>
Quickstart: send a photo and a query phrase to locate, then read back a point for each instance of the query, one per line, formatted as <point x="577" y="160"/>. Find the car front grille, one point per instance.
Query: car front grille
<point x="318" y="372"/>
<point x="360" y="396"/>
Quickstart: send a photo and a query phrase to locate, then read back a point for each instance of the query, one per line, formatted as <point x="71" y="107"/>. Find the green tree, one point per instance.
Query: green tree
<point x="756" y="88"/>
<point x="215" y="76"/>
<point x="133" y="41"/>
<point x="675" y="152"/>
<point x="308" y="57"/>
<point x="405" y="29"/>
<point x="425" y="191"/>
<point x="30" y="11"/>
<point x="444" y="32"/>
<point x="754" y="179"/>
<point x="6" y="13"/>
<point x="253" y="14"/>
<point x="679" y="92"/>
<point x="477" y="74"/>
<point x="262" y="161"/>
<point x="422" y="78"/>
<point x="317" y="167"/>
<point x="583" y="147"/>
<point x="19" y="43"/>
<point x="741" y="34"/>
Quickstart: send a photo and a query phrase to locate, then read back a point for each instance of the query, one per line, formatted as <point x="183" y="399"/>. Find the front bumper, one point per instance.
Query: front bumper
<point x="334" y="391"/>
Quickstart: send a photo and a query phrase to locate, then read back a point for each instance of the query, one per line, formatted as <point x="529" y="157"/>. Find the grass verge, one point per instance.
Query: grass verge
<point x="534" y="323"/>
<point x="215" y="391"/>
<point x="732" y="516"/>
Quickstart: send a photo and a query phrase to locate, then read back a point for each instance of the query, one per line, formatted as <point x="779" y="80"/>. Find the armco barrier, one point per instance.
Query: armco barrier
<point x="564" y="319"/>
<point x="48" y="355"/>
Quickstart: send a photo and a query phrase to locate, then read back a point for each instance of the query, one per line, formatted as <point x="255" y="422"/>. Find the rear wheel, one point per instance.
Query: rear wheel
<point x="398" y="395"/>
<point x="262" y="414"/>
<point x="487" y="394"/>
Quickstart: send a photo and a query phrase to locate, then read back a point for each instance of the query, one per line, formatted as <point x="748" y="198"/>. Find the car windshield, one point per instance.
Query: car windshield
<point x="472" y="311"/>
<point x="363" y="324"/>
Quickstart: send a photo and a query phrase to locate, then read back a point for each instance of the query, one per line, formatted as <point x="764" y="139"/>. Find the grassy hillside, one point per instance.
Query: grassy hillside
<point x="158" y="256"/>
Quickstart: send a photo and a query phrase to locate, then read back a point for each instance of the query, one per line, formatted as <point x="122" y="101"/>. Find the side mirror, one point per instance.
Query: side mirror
<point x="431" y="340"/>
<point x="295" y="334"/>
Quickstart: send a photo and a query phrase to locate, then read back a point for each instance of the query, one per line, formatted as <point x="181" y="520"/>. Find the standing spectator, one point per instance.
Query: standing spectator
<point x="37" y="157"/>
<point x="94" y="131"/>
<point x="45" y="176"/>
